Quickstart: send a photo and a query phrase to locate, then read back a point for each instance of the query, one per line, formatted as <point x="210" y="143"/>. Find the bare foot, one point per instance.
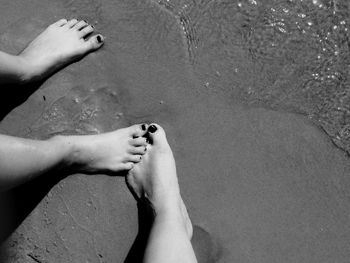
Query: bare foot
<point x="108" y="153"/>
<point x="155" y="179"/>
<point x="60" y="44"/>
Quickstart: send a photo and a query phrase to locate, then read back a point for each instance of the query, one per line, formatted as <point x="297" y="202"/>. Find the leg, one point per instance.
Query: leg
<point x="155" y="180"/>
<point x="22" y="159"/>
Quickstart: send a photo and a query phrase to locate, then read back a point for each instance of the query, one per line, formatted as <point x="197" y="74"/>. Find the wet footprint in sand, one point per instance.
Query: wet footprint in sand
<point x="82" y="111"/>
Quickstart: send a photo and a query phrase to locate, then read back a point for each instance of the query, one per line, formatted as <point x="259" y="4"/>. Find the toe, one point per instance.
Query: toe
<point x="93" y="43"/>
<point x="71" y="23"/>
<point x="140" y="141"/>
<point x="135" y="158"/>
<point x="60" y="22"/>
<point x="80" y="25"/>
<point x="86" y="31"/>
<point x="127" y="166"/>
<point x="144" y="128"/>
<point x="138" y="130"/>
<point x="141" y="150"/>
<point x="153" y="128"/>
<point x="156" y="134"/>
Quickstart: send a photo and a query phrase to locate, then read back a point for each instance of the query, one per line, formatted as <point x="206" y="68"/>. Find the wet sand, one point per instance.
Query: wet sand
<point x="260" y="185"/>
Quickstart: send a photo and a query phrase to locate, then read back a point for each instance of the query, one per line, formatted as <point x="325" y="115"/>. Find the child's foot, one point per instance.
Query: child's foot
<point x="60" y="44"/>
<point x="108" y="153"/>
<point x="155" y="179"/>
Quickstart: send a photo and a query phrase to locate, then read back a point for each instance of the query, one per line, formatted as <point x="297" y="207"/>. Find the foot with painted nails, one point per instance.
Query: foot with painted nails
<point x="60" y="44"/>
<point x="107" y="153"/>
<point x="154" y="181"/>
<point x="155" y="178"/>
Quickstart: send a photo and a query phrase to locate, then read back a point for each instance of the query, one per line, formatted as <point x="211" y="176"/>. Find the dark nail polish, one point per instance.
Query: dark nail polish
<point x="143" y="127"/>
<point x="99" y="39"/>
<point x="152" y="129"/>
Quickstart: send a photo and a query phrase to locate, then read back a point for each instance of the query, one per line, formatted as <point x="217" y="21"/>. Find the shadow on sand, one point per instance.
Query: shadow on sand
<point x="145" y="221"/>
<point x="15" y="96"/>
<point x="16" y="204"/>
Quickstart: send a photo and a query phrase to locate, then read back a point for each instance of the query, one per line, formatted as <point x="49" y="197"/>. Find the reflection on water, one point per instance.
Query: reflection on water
<point x="290" y="55"/>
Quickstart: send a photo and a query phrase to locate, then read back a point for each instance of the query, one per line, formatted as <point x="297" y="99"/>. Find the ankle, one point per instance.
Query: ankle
<point x="172" y="216"/>
<point x="28" y="72"/>
<point x="69" y="151"/>
<point x="168" y="207"/>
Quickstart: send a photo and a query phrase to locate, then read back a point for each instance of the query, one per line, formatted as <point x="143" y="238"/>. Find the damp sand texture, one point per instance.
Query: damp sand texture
<point x="254" y="97"/>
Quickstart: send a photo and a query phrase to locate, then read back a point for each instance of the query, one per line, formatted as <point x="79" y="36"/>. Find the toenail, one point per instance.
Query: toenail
<point x="99" y="39"/>
<point x="143" y="127"/>
<point x="152" y="129"/>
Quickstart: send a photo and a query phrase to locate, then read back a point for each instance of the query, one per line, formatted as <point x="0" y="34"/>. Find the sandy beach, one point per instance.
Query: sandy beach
<point x="260" y="185"/>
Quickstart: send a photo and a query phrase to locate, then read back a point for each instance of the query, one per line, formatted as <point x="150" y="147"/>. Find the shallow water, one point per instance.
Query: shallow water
<point x="295" y="54"/>
<point x="285" y="55"/>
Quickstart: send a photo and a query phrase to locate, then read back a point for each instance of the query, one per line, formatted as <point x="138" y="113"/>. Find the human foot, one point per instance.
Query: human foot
<point x="155" y="179"/>
<point x="58" y="45"/>
<point x="107" y="153"/>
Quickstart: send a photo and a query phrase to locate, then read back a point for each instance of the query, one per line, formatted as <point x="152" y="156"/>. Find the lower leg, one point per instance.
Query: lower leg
<point x="169" y="240"/>
<point x="154" y="181"/>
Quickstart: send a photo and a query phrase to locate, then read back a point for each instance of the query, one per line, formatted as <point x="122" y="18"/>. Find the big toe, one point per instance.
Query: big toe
<point x="93" y="43"/>
<point x="157" y="136"/>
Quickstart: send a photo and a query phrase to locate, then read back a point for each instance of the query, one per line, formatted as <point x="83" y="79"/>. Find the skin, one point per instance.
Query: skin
<point x="155" y="180"/>
<point x="58" y="45"/>
<point x="108" y="153"/>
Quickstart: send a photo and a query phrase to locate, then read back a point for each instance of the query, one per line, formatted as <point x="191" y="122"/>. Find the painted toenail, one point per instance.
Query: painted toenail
<point x="152" y="129"/>
<point x="143" y="127"/>
<point x="99" y="39"/>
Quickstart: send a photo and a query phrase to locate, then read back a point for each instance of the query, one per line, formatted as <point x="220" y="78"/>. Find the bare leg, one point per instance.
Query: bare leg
<point x="155" y="179"/>
<point x="58" y="45"/>
<point x="22" y="159"/>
